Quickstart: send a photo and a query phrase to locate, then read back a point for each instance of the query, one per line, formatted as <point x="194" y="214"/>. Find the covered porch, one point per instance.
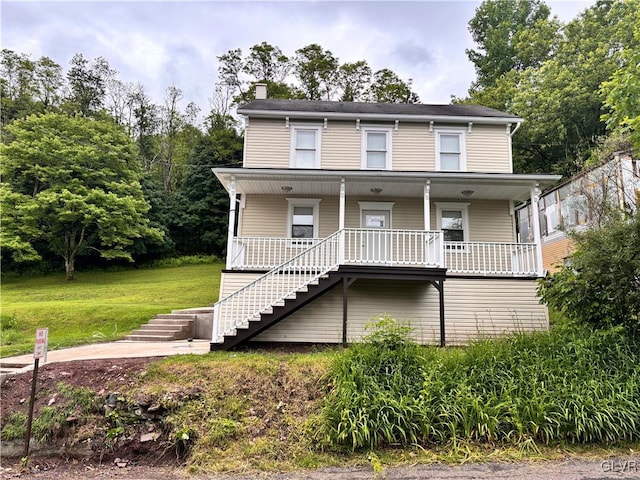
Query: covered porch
<point x="361" y="210"/>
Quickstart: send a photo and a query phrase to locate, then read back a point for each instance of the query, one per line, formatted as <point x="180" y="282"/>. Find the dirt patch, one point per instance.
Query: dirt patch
<point x="88" y="450"/>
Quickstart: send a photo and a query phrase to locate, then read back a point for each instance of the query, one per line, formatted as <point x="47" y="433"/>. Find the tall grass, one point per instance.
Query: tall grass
<point x="98" y="306"/>
<point x="570" y="385"/>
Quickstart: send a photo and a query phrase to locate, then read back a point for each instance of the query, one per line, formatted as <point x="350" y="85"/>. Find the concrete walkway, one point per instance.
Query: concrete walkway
<point x="119" y="349"/>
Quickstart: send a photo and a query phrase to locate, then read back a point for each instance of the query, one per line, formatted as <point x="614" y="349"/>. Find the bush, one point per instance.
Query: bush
<point x="571" y="385"/>
<point x="601" y="285"/>
<point x="376" y="385"/>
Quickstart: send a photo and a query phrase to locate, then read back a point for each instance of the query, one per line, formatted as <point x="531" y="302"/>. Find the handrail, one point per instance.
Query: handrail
<point x="246" y="304"/>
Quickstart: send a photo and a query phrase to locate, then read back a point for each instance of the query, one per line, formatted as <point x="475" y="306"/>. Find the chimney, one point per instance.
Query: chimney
<point x="261" y="91"/>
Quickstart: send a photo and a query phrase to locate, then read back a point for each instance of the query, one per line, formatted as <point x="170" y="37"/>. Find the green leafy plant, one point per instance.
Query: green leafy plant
<point x="601" y="285"/>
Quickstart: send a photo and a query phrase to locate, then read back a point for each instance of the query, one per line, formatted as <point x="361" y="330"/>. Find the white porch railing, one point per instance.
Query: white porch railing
<point x="266" y="253"/>
<point x="364" y="246"/>
<point x="259" y="296"/>
<point x="395" y="247"/>
<point x="485" y="258"/>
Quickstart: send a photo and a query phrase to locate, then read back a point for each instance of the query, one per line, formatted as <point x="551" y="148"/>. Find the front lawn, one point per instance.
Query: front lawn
<point x="98" y="306"/>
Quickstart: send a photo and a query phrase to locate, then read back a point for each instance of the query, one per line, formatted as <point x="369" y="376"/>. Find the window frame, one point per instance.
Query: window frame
<point x="462" y="144"/>
<point x="366" y="129"/>
<point x="464" y="210"/>
<point x="296" y="127"/>
<point x="303" y="202"/>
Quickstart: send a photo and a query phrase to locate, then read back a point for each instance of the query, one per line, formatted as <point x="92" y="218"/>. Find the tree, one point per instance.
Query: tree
<point x="202" y="204"/>
<point x="17" y="85"/>
<point x="387" y="87"/>
<point x="49" y="81"/>
<point x="88" y="83"/>
<point x="511" y="35"/>
<point x="601" y="286"/>
<point x="72" y="183"/>
<point x="353" y="79"/>
<point x="622" y="92"/>
<point x="316" y="69"/>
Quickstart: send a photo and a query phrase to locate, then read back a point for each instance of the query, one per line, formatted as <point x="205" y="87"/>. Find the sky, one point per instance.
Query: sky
<point x="163" y="43"/>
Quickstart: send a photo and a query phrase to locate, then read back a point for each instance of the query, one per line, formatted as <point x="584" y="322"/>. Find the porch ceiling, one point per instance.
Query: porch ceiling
<point x="487" y="186"/>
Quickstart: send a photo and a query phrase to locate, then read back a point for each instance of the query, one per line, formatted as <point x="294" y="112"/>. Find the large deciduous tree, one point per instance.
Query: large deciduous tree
<point x="71" y="185"/>
<point x="511" y="35"/>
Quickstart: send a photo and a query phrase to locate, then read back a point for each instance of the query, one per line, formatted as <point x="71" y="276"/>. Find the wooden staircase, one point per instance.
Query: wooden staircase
<point x="280" y="311"/>
<point x="166" y="327"/>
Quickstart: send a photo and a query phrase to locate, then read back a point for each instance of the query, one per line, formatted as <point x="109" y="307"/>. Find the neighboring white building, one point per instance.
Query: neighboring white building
<point x="583" y="201"/>
<point x="345" y="211"/>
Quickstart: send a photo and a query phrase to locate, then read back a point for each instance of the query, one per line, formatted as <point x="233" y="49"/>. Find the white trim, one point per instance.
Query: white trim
<point x="363" y="151"/>
<point x="462" y="133"/>
<point x="295" y="127"/>
<point x="304" y="202"/>
<point x="462" y="207"/>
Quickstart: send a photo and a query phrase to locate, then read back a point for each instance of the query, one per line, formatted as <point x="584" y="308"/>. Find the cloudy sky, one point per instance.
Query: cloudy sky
<point x="162" y="43"/>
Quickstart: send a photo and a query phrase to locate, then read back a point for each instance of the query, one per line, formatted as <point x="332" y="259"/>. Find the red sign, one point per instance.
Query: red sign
<point x="42" y="339"/>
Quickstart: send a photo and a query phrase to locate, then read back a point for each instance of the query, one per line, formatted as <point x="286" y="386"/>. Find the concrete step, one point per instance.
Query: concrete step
<point x="165" y="327"/>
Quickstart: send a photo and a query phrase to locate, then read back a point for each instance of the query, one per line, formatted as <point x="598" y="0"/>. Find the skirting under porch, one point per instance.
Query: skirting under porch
<point x="474" y="308"/>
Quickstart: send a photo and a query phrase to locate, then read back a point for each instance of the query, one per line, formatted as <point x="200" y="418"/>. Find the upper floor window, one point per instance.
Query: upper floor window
<point x="451" y="150"/>
<point x="376" y="148"/>
<point x="305" y="146"/>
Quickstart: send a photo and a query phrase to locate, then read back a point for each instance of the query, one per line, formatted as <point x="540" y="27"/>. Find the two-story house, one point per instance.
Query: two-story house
<point x="586" y="200"/>
<point x="345" y="211"/>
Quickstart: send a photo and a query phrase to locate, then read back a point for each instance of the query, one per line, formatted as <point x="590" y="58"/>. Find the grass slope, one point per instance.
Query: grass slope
<point x="98" y="306"/>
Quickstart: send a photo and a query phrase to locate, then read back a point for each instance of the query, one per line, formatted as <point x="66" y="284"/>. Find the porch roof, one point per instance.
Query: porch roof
<point x="363" y="183"/>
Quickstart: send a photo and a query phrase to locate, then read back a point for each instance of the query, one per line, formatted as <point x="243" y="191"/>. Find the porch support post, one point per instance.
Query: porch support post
<point x="346" y="283"/>
<point x="535" y="196"/>
<point x="442" y="330"/>
<point x="341" y="214"/>
<point x="232" y="221"/>
<point x="427" y="206"/>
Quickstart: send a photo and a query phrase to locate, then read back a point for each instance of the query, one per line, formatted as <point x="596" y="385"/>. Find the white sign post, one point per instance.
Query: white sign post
<point x="39" y="351"/>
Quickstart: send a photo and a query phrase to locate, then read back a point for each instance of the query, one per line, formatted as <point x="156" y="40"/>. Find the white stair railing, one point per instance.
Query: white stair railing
<point x="272" y="288"/>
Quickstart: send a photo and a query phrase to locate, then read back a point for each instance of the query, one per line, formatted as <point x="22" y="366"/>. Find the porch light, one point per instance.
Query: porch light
<point x="467" y="193"/>
<point x="376" y="191"/>
<point x="286" y="188"/>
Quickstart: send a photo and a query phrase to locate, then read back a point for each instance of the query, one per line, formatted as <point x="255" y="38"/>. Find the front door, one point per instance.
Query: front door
<point x="376" y="246"/>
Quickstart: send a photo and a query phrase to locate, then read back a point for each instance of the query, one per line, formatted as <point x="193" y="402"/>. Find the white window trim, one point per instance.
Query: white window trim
<point x="363" y="154"/>
<point x="304" y="202"/>
<point x="463" y="207"/>
<point x="304" y="126"/>
<point x="462" y="132"/>
<point x="385" y="206"/>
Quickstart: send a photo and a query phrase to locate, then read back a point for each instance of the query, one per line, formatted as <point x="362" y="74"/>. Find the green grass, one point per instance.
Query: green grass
<point x="98" y="306"/>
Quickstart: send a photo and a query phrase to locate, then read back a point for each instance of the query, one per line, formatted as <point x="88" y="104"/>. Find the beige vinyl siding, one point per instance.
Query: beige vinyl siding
<point x="488" y="149"/>
<point x="414" y="147"/>
<point x="268" y="144"/>
<point x="341" y="146"/>
<point x="264" y="216"/>
<point x="480" y="308"/>
<point x="231" y="282"/>
<point x="474" y="308"/>
<point x="490" y="221"/>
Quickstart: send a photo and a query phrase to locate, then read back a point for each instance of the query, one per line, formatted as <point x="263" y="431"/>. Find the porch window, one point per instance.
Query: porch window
<point x="453" y="221"/>
<point x="303" y="217"/>
<point x="450" y="150"/>
<point x="376" y="149"/>
<point x="305" y="147"/>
